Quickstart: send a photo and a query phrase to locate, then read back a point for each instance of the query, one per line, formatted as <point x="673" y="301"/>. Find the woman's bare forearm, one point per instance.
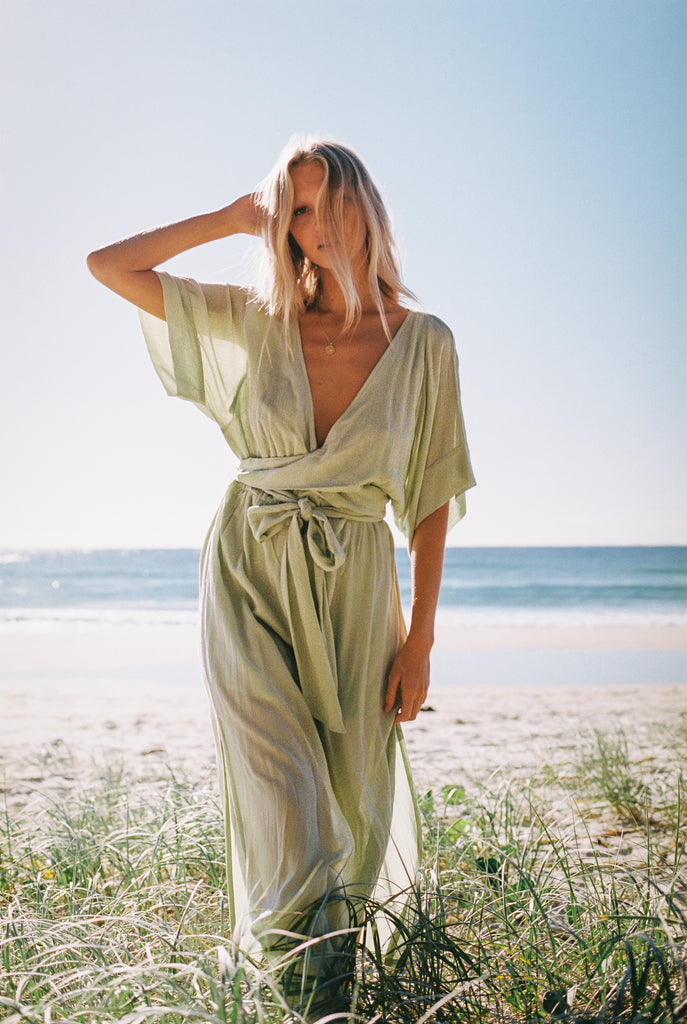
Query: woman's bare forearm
<point x="126" y="266"/>
<point x="427" y="562"/>
<point x="408" y="680"/>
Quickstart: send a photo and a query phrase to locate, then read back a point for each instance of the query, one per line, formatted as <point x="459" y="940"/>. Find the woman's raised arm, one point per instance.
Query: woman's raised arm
<point x="126" y="267"/>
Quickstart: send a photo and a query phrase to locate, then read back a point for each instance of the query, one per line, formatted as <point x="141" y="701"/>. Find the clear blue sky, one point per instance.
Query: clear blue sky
<point x="532" y="153"/>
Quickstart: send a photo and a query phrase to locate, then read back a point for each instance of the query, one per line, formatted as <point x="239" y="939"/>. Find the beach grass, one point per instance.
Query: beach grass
<point x="558" y="897"/>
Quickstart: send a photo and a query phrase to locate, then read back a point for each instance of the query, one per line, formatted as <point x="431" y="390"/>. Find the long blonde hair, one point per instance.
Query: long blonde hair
<point x="291" y="282"/>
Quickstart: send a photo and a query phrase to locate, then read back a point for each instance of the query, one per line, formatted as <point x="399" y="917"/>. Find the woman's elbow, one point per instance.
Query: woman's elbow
<point x="97" y="264"/>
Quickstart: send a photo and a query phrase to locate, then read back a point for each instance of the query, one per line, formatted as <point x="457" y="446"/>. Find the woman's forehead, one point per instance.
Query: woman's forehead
<point x="307" y="176"/>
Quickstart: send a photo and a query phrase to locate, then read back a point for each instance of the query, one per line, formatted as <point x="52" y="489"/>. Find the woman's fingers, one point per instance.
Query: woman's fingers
<point x="407" y="685"/>
<point x="392" y="687"/>
<point x="412" y="699"/>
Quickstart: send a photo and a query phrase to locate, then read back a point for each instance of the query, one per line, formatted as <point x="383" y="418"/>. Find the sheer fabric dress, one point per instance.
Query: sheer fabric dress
<point x="300" y="609"/>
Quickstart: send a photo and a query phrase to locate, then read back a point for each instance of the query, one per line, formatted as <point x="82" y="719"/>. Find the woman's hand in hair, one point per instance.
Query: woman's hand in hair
<point x="126" y="267"/>
<point x="245" y="216"/>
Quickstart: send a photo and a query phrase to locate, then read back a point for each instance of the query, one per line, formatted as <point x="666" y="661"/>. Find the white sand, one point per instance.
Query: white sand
<point x="136" y="694"/>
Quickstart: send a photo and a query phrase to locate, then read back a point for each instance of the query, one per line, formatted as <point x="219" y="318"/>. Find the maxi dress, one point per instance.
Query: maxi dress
<point x="300" y="609"/>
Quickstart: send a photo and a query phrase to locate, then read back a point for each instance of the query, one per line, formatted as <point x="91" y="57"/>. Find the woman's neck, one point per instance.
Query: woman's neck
<point x="332" y="301"/>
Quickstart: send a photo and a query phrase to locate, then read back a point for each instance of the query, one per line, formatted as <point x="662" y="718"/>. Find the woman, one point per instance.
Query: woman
<point x="337" y="400"/>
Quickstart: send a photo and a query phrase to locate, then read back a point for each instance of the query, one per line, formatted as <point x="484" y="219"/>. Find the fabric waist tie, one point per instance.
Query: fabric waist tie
<point x="305" y="598"/>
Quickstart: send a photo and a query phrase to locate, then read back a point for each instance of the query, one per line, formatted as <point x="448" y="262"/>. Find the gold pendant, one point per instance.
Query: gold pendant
<point x="329" y="349"/>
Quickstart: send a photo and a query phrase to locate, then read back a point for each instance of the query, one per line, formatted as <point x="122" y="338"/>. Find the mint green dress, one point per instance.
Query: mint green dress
<point x="300" y="609"/>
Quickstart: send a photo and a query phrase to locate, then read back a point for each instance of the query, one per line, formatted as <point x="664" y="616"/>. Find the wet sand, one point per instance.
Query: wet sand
<point x="136" y="695"/>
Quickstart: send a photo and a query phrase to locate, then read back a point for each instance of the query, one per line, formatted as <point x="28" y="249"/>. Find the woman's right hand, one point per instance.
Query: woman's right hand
<point x="126" y="267"/>
<point x="245" y="214"/>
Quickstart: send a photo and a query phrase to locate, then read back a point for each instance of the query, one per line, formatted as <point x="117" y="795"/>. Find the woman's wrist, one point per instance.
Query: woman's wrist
<point x="240" y="217"/>
<point x="421" y="636"/>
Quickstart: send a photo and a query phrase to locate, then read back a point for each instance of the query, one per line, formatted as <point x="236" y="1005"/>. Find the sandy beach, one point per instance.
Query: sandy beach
<point x="107" y="759"/>
<point x="136" y="695"/>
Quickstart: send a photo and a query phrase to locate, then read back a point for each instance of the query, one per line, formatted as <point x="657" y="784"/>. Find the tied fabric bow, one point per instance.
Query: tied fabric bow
<point x="324" y="547"/>
<point x="306" y="596"/>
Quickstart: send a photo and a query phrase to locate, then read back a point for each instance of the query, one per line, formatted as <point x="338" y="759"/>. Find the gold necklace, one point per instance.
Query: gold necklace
<point x="329" y="347"/>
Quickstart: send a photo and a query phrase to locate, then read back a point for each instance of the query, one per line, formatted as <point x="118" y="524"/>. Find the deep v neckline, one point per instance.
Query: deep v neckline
<point x="306" y="379"/>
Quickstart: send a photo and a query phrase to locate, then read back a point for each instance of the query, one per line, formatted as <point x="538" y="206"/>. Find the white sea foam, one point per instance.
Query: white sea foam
<point x="44" y="620"/>
<point x="12" y="557"/>
<point x="48" y="620"/>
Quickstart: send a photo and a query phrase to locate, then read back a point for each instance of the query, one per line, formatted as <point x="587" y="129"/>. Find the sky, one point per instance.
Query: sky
<point x="532" y="153"/>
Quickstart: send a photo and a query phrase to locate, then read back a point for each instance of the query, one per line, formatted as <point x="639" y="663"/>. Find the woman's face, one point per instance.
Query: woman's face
<point x="310" y="233"/>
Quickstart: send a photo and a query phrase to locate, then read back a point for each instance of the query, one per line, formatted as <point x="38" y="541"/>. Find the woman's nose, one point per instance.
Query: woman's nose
<point x="324" y="231"/>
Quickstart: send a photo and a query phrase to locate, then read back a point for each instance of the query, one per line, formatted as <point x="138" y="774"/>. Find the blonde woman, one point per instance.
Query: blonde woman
<point x="338" y="400"/>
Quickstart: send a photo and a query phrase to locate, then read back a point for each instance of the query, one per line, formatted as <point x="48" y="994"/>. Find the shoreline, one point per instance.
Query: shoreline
<point x="71" y="646"/>
<point x="170" y="656"/>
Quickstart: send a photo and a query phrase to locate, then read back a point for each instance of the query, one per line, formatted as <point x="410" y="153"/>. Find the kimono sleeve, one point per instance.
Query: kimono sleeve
<point x="199" y="352"/>
<point x="439" y="469"/>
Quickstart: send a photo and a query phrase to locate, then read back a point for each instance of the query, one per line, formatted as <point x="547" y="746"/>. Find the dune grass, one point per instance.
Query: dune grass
<point x="558" y="898"/>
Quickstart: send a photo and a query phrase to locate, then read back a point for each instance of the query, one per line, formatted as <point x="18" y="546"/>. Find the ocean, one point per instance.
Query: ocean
<point x="590" y="586"/>
<point x="46" y="591"/>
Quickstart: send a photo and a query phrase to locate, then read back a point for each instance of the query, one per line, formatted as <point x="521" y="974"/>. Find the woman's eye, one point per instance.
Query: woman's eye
<point x="300" y="210"/>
